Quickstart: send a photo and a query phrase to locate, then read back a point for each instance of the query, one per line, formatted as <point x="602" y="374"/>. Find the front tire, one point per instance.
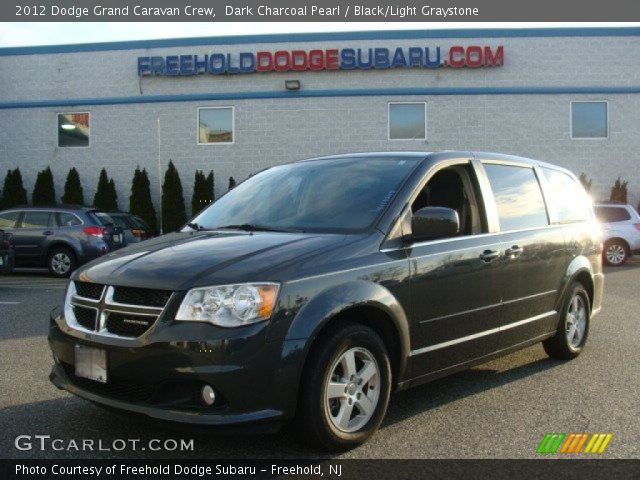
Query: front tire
<point x="573" y="327"/>
<point x="615" y="253"/>
<point x="345" y="388"/>
<point x="61" y="261"/>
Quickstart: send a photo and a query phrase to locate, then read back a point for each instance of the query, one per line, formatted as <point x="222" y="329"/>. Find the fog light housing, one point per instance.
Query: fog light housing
<point x="208" y="395"/>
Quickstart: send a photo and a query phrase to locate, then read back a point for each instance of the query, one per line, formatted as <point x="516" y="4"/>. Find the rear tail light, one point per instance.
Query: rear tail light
<point x="139" y="233"/>
<point x="95" y="231"/>
<point x="637" y="225"/>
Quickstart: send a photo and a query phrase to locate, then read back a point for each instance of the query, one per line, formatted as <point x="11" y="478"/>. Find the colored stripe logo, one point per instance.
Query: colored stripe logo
<point x="572" y="443"/>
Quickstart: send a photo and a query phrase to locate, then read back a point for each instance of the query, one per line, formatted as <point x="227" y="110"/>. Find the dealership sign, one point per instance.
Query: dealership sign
<point x="472" y="56"/>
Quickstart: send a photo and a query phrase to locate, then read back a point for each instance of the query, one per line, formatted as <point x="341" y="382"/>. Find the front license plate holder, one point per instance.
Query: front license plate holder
<point x="91" y="363"/>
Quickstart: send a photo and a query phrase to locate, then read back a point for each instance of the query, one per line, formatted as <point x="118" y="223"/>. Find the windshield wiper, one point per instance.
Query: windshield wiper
<point x="250" y="227"/>
<point x="195" y="226"/>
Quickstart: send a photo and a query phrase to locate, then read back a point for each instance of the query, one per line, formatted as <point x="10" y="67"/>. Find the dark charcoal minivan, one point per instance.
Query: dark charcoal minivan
<point x="313" y="290"/>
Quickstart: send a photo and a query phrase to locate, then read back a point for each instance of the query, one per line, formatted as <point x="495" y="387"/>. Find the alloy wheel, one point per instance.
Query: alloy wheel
<point x="61" y="263"/>
<point x="616" y="254"/>
<point x="576" y="321"/>
<point x="352" y="390"/>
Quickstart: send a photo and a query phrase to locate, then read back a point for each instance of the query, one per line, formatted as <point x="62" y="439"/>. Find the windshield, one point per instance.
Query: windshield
<point x="336" y="195"/>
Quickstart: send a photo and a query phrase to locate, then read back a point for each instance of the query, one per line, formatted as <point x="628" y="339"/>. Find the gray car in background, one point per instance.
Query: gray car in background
<point x="135" y="229"/>
<point x="59" y="238"/>
<point x="621" y="232"/>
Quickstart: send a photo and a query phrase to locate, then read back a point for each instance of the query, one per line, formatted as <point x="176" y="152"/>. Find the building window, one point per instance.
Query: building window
<point x="215" y="125"/>
<point x="589" y="120"/>
<point x="408" y="121"/>
<point x="73" y="129"/>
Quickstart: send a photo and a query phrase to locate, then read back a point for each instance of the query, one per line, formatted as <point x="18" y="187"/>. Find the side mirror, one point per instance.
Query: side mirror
<point x="434" y="222"/>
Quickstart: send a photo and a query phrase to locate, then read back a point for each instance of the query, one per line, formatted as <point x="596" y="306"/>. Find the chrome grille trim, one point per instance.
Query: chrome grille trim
<point x="103" y="306"/>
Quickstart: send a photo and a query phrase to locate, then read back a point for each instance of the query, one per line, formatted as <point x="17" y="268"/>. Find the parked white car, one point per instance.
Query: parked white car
<point x="621" y="232"/>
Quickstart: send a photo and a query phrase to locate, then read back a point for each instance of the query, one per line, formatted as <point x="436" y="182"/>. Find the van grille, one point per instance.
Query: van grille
<point x="141" y="296"/>
<point x="127" y="325"/>
<point x="122" y="311"/>
<point x="89" y="290"/>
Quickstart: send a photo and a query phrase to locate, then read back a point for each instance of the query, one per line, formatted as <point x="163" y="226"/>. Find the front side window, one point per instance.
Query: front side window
<point x="215" y="125"/>
<point x="568" y="201"/>
<point x="589" y="120"/>
<point x="407" y="121"/>
<point x="337" y="195"/>
<point x="73" y="129"/>
<point x="8" y="219"/>
<point x="35" y="219"/>
<point x="518" y="197"/>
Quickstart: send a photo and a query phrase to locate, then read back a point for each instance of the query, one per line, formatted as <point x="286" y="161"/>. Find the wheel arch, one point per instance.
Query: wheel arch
<point x="621" y="240"/>
<point x="60" y="244"/>
<point x="579" y="270"/>
<point x="367" y="303"/>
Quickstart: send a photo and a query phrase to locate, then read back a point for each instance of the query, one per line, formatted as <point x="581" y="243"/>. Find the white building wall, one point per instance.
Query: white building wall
<point x="273" y="131"/>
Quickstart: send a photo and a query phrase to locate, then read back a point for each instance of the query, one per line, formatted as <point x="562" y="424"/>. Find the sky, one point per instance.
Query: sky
<point x="28" y="33"/>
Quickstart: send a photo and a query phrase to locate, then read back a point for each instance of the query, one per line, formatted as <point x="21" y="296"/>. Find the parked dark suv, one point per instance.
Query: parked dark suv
<point x="59" y="238"/>
<point x="312" y="290"/>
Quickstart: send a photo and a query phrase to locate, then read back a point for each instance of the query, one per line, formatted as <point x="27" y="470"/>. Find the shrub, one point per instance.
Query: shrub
<point x="105" y="197"/>
<point x="232" y="182"/>
<point x="73" y="194"/>
<point x="173" y="209"/>
<point x="13" y="192"/>
<point x="619" y="191"/>
<point x="586" y="182"/>
<point x="202" y="192"/>
<point x="140" y="203"/>
<point x="43" y="191"/>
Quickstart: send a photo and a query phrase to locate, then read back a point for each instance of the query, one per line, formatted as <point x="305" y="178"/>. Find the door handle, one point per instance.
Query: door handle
<point x="489" y="255"/>
<point x="514" y="251"/>
<point x="47" y="232"/>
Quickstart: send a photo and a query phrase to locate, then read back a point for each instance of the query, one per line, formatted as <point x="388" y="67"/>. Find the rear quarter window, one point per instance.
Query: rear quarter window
<point x="568" y="202"/>
<point x="612" y="214"/>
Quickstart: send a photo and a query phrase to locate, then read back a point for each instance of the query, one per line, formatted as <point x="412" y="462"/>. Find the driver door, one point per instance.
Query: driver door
<point x="455" y="288"/>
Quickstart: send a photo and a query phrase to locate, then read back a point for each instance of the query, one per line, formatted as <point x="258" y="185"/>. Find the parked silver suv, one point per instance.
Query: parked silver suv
<point x="621" y="232"/>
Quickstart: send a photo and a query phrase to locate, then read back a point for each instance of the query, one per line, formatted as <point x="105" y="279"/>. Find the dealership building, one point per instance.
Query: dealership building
<point x="236" y="105"/>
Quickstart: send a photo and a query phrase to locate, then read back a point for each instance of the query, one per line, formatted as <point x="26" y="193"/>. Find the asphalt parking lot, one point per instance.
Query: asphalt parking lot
<point x="498" y="410"/>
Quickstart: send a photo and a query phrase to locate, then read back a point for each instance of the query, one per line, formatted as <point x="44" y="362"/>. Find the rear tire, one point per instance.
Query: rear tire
<point x="615" y="253"/>
<point x="61" y="261"/>
<point x="573" y="326"/>
<point x="345" y="388"/>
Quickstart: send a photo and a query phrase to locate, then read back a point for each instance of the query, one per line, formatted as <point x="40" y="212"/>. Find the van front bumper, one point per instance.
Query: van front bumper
<point x="164" y="379"/>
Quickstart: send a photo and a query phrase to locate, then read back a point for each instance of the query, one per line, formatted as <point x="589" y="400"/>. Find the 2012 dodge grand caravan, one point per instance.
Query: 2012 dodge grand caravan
<point x="312" y="290"/>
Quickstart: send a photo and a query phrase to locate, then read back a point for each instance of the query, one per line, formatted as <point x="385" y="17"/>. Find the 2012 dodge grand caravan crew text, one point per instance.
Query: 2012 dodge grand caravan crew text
<point x="312" y="290"/>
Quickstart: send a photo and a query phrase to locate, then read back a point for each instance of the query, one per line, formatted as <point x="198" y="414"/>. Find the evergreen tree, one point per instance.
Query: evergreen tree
<point x="232" y="182"/>
<point x="73" y="194"/>
<point x="210" y="187"/>
<point x="140" y="203"/>
<point x="619" y="191"/>
<point x="13" y="192"/>
<point x="43" y="191"/>
<point x="586" y="182"/>
<point x="112" y="196"/>
<point x="202" y="192"/>
<point x="101" y="198"/>
<point x="173" y="209"/>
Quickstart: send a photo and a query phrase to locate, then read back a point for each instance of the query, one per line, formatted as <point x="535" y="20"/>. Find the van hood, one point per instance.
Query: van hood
<point x="179" y="261"/>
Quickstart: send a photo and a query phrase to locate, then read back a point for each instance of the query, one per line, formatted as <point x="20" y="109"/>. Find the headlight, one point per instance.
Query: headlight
<point x="229" y="305"/>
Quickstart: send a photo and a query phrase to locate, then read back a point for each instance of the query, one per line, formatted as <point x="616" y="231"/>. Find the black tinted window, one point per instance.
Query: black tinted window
<point x="343" y="194"/>
<point x="518" y="197"/>
<point x="612" y="214"/>
<point x="101" y="218"/>
<point x="568" y="201"/>
<point x="8" y="219"/>
<point x="36" y="219"/>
